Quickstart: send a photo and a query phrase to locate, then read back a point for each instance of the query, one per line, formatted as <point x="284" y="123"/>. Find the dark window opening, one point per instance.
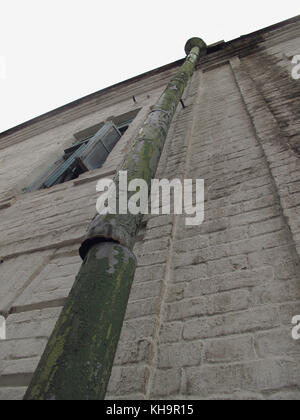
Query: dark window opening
<point x="123" y="128"/>
<point x="89" y="152"/>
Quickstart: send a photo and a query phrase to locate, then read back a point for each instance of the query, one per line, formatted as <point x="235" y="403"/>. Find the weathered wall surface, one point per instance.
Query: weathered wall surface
<point x="41" y="231"/>
<point x="210" y="311"/>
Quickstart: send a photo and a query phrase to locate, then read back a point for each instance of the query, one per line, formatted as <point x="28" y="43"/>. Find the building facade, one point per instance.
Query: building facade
<point x="211" y="308"/>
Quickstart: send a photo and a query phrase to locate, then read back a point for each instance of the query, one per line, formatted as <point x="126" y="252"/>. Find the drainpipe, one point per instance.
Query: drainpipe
<point x="78" y="359"/>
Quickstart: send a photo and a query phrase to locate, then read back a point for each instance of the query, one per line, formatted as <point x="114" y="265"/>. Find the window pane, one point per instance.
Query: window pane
<point x="99" y="147"/>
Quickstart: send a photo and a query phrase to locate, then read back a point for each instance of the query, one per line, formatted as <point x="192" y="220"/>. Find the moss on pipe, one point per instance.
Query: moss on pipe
<point x="142" y="161"/>
<point x="79" y="356"/>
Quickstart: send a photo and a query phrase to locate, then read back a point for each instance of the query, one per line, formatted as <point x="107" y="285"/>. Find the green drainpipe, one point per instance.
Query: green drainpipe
<point x="78" y="359"/>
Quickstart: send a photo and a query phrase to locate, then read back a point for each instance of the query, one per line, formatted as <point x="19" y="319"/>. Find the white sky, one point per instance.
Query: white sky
<point x="55" y="51"/>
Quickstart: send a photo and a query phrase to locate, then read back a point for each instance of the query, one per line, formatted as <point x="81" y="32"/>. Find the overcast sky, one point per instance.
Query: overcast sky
<point x="55" y="51"/>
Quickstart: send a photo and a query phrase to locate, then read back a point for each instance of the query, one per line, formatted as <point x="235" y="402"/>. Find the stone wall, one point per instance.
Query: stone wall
<point x="209" y="316"/>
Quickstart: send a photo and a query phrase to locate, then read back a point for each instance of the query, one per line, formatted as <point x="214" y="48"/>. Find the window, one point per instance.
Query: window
<point x="89" y="152"/>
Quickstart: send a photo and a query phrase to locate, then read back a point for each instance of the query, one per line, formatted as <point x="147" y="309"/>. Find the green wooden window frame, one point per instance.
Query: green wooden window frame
<point x="86" y="154"/>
